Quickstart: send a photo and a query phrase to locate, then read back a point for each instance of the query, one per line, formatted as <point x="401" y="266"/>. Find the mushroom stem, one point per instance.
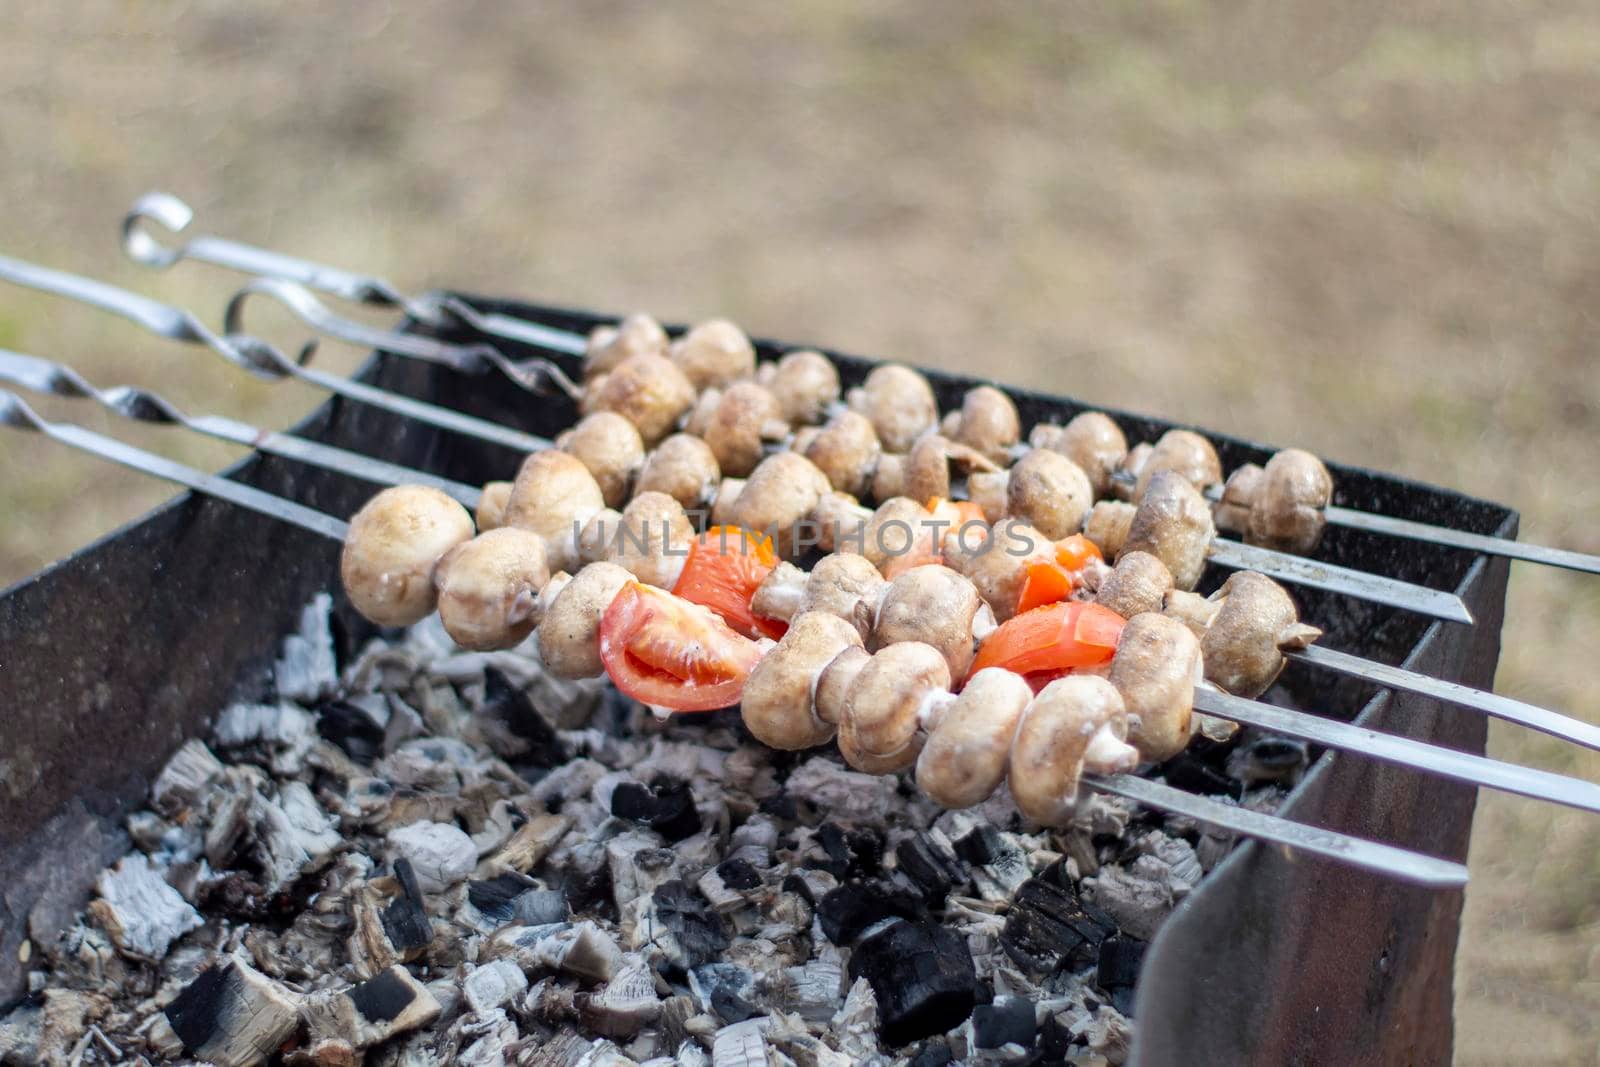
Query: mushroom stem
<point x="931" y="711"/>
<point x="1107" y="753"/>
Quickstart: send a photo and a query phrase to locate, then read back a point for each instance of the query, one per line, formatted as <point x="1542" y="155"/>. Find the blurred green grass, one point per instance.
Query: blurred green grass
<point x="1368" y="229"/>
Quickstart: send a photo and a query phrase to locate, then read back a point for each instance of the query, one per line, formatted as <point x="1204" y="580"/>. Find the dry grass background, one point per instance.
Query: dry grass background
<point x="1369" y="229"/>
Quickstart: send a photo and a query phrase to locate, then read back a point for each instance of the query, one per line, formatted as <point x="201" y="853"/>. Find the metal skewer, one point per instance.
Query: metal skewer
<point x="1374" y="856"/>
<point x="255" y="355"/>
<point x="58" y="379"/>
<point x="1377" y="588"/>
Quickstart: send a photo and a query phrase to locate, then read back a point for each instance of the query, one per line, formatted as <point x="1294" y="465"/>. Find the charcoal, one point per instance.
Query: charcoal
<point x="372" y="1012"/>
<point x="307" y="670"/>
<point x="140" y="912"/>
<point x="779" y="806"/>
<point x="730" y="885"/>
<point x="352" y="728"/>
<point x="1117" y="969"/>
<point x="855" y="853"/>
<point x="493" y="985"/>
<point x="1137" y="897"/>
<point x="184" y="778"/>
<point x="1007" y="1021"/>
<point x="496" y="898"/>
<point x="922" y="975"/>
<point x="625" y="1004"/>
<point x="440" y="853"/>
<point x="855" y="907"/>
<point x="533" y="741"/>
<point x="1049" y="927"/>
<point x="294" y="836"/>
<point x="529" y="844"/>
<point x="930" y="866"/>
<point x="739" y="1045"/>
<point x="934" y="1053"/>
<point x="233" y="1015"/>
<point x="855" y="1025"/>
<point x="812" y="991"/>
<point x="405" y="921"/>
<point x="699" y="931"/>
<point x="738" y="876"/>
<point x="538" y="907"/>
<point x="1192" y="775"/>
<point x="277" y="736"/>
<point x="726" y="990"/>
<point x="980" y="845"/>
<point x="667" y="808"/>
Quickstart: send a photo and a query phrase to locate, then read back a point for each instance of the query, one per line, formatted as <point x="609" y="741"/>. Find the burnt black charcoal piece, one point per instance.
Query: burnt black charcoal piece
<point x="539" y="907"/>
<point x="850" y="909"/>
<point x="779" y="806"/>
<point x="497" y="897"/>
<point x="1192" y="775"/>
<point x="405" y="920"/>
<point x="502" y="700"/>
<point x="935" y="1053"/>
<point x="668" y="808"/>
<point x="800" y="888"/>
<point x="1117" y="971"/>
<point x="738" y="875"/>
<point x="923" y="976"/>
<point x="350" y="727"/>
<point x="1009" y="1020"/>
<point x="729" y="989"/>
<point x="1050" y="927"/>
<point x="1055" y="1041"/>
<point x="194" y="1012"/>
<point x="383" y="998"/>
<point x="687" y="917"/>
<point x="981" y="845"/>
<point x="930" y="867"/>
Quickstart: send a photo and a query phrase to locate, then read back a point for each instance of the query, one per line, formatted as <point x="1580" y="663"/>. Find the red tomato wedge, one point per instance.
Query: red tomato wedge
<point x="1053" y="640"/>
<point x="666" y="651"/>
<point x="726" y="565"/>
<point x="1050" y="581"/>
<point x="1076" y="552"/>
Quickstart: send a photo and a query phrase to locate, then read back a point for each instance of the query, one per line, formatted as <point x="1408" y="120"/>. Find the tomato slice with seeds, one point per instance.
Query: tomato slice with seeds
<point x="726" y="565"/>
<point x="1049" y="581"/>
<point x="1077" y="552"/>
<point x="663" y="650"/>
<point x="1052" y="640"/>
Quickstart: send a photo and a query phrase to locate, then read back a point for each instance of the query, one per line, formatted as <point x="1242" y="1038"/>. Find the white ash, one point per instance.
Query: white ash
<point x="398" y="864"/>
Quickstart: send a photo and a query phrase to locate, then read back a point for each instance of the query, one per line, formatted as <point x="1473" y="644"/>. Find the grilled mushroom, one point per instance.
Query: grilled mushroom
<point x="846" y="450"/>
<point x="1092" y="441"/>
<point x="569" y="633"/>
<point x="1173" y="524"/>
<point x="931" y="462"/>
<point x="1256" y="622"/>
<point x="880" y="729"/>
<point x="1155" y="669"/>
<point x="804" y="382"/>
<point x="745" y="419"/>
<point x="889" y="476"/>
<point x="898" y="528"/>
<point x="1050" y="492"/>
<point x="987" y="421"/>
<point x="1075" y="724"/>
<point x="1185" y="452"/>
<point x="987" y="489"/>
<point x="392" y="547"/>
<point x="1127" y="476"/>
<point x="833" y="684"/>
<point x="1107" y="526"/>
<point x="652" y="539"/>
<point x="722" y="503"/>
<point x="900" y="403"/>
<point x="997" y="565"/>
<point x="598" y="538"/>
<point x="777" y="703"/>
<point x="964" y="758"/>
<point x="683" y="467"/>
<point x="489" y="588"/>
<point x="1137" y="584"/>
<point x="1288" y="510"/>
<point x="610" y="345"/>
<point x="778" y="496"/>
<point x="554" y="495"/>
<point x="1239" y="494"/>
<point x="714" y="355"/>
<point x="842" y="584"/>
<point x="611" y="448"/>
<point x="491" y="511"/>
<point x="648" y="390"/>
<point x="937" y="607"/>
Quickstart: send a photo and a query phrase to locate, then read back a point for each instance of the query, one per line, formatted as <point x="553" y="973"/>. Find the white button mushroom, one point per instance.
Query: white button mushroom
<point x="1288" y="512"/>
<point x="1107" y="526"/>
<point x="846" y="449"/>
<point x="648" y="390"/>
<point x="1092" y="441"/>
<point x="684" y="468"/>
<point x="745" y="419"/>
<point x="987" y="421"/>
<point x="554" y="495"/>
<point x="934" y="459"/>
<point x="965" y="756"/>
<point x="889" y="476"/>
<point x="842" y="584"/>
<point x="609" y="446"/>
<point x="491" y="511"/>
<point x="880" y="732"/>
<point x="1049" y="492"/>
<point x="569" y="633"/>
<point x="1256" y="621"/>
<point x="392" y="547"/>
<point x="1173" y="524"/>
<point x="1239" y="494"/>
<point x="777" y="703"/>
<point x="489" y="588"/>
<point x="1155" y="669"/>
<point x="998" y="565"/>
<point x="652" y="540"/>
<point x="987" y="489"/>
<point x="1185" y="452"/>
<point x="610" y="345"/>
<point x="778" y="496"/>
<point x="900" y="403"/>
<point x="1137" y="584"/>
<point x="1075" y="724"/>
<point x="806" y="383"/>
<point x="937" y="607"/>
<point x="714" y="354"/>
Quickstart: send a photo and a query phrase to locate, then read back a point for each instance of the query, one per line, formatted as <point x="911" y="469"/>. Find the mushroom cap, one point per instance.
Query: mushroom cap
<point x="833" y="684"/>
<point x="1137" y="584"/>
<point x="390" y="551"/>
<point x="653" y="539"/>
<point x="889" y="476"/>
<point x="997" y="565"/>
<point x="779" y="495"/>
<point x="610" y="345"/>
<point x="805" y="383"/>
<point x="1107" y="526"/>
<point x="1185" y="452"/>
<point x="964" y="758"/>
<point x="846" y="450"/>
<point x="1242" y="646"/>
<point x="703" y="412"/>
<point x="847" y="585"/>
<point x="745" y="417"/>
<point x="935" y="606"/>
<point x="1173" y="524"/>
<point x="610" y="446"/>
<point x="930" y="462"/>
<point x="1288" y="513"/>
<point x="598" y="538"/>
<point x="1155" y="669"/>
<point x="649" y="391"/>
<point x="1053" y="744"/>
<point x="1239" y="494"/>
<point x="714" y="354"/>
<point x="781" y="594"/>
<point x="988" y="422"/>
<point x="489" y="588"/>
<point x="777" y="703"/>
<point x="1092" y="441"/>
<point x="1127" y="480"/>
<point x="881" y="723"/>
<point x="554" y="495"/>
<point x="1049" y="491"/>
<point x="569" y="633"/>
<point x="722" y="504"/>
<point x="897" y="528"/>
<point x="683" y="467"/>
<point x="491" y="511"/>
<point x="988" y="489"/>
<point x="840" y="519"/>
<point x="900" y="403"/>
